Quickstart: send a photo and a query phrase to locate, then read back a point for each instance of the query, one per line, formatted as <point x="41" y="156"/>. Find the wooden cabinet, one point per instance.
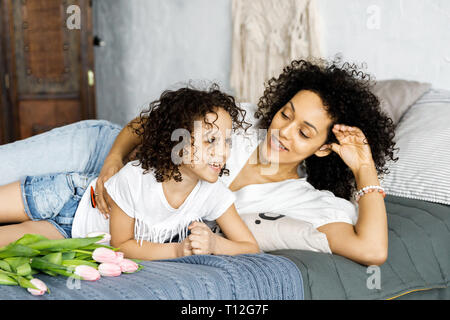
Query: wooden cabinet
<point x="47" y="66"/>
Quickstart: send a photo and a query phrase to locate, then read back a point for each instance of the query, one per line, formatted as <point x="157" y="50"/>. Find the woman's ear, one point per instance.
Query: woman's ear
<point x="323" y="151"/>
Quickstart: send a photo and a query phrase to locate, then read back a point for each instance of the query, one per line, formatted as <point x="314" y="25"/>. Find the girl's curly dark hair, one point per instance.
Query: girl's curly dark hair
<point x="346" y="93"/>
<point x="178" y="110"/>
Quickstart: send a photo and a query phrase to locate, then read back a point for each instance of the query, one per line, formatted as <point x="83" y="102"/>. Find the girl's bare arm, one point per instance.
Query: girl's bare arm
<point x="122" y="236"/>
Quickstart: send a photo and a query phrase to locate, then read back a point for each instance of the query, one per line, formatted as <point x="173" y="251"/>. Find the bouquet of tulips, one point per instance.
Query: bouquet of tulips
<point x="79" y="258"/>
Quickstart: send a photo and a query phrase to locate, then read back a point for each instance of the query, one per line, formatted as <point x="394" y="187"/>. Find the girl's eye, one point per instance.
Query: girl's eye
<point x="284" y="115"/>
<point x="211" y="140"/>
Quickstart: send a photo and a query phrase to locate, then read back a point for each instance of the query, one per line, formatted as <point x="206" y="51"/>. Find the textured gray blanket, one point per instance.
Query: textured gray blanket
<point x="242" y="277"/>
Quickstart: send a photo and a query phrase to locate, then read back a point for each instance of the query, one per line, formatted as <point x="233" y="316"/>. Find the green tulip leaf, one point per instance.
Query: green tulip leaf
<point x="75" y="262"/>
<point x="68" y="255"/>
<point x="5" y="266"/>
<point x="24" y="269"/>
<point x="17" y="250"/>
<point x="14" y="262"/>
<point x="42" y="264"/>
<point x="50" y="273"/>
<point x="55" y="257"/>
<point x="25" y="283"/>
<point x="60" y="244"/>
<point x="30" y="238"/>
<point x="7" y="280"/>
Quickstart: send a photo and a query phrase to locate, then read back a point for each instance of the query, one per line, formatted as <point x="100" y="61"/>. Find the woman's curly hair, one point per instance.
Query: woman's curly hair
<point x="178" y="109"/>
<point x="346" y="93"/>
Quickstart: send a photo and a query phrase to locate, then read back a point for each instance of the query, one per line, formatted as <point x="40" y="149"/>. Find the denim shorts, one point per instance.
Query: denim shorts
<point x="54" y="197"/>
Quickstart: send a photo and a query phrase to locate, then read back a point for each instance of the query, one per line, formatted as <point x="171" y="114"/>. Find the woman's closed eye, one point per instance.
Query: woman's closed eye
<point x="300" y="131"/>
<point x="304" y="135"/>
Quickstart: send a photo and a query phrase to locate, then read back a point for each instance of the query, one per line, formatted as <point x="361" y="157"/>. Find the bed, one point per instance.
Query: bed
<point x="418" y="267"/>
<point x="418" y="264"/>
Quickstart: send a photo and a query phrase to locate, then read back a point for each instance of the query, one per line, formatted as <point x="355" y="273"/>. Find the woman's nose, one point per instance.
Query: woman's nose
<point x="286" y="131"/>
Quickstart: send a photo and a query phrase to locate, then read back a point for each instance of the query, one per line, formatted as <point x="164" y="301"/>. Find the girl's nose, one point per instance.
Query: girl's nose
<point x="220" y="151"/>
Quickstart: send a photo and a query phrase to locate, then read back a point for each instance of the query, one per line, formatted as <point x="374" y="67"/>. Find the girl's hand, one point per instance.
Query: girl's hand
<point x="202" y="238"/>
<point x="110" y="167"/>
<point x="353" y="147"/>
<point x="184" y="248"/>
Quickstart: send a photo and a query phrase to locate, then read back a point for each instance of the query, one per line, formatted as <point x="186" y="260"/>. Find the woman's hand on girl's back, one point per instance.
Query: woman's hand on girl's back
<point x="111" y="166"/>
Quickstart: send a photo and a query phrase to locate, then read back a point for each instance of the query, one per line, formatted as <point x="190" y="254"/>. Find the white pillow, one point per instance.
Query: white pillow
<point x="277" y="232"/>
<point x="423" y="137"/>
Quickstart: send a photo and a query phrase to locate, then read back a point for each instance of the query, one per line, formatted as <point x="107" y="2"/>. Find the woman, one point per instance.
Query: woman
<point x="327" y="122"/>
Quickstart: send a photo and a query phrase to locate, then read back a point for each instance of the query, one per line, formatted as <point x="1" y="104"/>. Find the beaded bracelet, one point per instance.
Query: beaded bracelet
<point x="368" y="189"/>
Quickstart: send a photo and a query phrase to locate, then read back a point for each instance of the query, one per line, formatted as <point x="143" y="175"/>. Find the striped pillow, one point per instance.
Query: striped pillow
<point x="423" y="137"/>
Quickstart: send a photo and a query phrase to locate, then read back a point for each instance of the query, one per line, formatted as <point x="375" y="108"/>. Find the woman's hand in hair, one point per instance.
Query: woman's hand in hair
<point x="111" y="166"/>
<point x="353" y="147"/>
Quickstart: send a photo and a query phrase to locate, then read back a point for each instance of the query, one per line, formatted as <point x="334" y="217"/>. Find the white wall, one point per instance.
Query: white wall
<point x="407" y="39"/>
<point x="152" y="45"/>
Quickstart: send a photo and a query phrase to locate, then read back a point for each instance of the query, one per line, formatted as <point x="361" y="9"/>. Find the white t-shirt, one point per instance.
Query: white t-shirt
<point x="295" y="198"/>
<point x="141" y="197"/>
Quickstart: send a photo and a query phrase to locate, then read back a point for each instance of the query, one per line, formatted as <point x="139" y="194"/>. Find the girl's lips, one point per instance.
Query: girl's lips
<point x="276" y="144"/>
<point x="215" y="169"/>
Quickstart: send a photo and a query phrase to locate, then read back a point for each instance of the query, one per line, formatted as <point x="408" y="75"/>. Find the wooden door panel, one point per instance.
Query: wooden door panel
<point x="47" y="66"/>
<point x="38" y="116"/>
<point x="48" y="51"/>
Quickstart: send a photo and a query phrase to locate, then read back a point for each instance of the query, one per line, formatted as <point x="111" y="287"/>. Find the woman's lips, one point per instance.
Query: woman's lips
<point x="277" y="145"/>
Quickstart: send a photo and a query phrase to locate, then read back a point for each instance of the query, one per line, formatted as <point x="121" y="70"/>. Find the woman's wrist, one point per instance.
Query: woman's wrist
<point x="214" y="242"/>
<point x="363" y="167"/>
<point x="366" y="175"/>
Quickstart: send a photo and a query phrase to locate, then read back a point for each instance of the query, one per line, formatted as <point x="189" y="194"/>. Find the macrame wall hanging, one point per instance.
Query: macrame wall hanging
<point x="267" y="36"/>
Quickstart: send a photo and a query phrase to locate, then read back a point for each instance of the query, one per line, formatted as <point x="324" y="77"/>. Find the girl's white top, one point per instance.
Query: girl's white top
<point x="142" y="198"/>
<point x="295" y="198"/>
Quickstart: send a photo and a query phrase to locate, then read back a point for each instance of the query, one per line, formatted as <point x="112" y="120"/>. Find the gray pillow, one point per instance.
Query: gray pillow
<point x="423" y="137"/>
<point x="397" y="96"/>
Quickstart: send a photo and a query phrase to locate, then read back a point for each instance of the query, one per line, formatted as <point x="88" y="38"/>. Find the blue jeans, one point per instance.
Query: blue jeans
<point x="55" y="198"/>
<point x="55" y="168"/>
<point x="78" y="147"/>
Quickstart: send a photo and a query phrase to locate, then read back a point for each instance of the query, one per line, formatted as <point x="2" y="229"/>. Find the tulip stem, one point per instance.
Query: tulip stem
<point x="82" y="251"/>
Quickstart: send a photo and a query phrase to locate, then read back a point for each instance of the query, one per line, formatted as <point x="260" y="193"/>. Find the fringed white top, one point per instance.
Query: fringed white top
<point x="141" y="197"/>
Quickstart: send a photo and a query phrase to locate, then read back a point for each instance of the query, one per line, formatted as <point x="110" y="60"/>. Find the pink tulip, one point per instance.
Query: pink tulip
<point x="107" y="255"/>
<point x="119" y="257"/>
<point x="38" y="284"/>
<point x="106" y="237"/>
<point x="87" y="273"/>
<point x="109" y="269"/>
<point x="129" y="266"/>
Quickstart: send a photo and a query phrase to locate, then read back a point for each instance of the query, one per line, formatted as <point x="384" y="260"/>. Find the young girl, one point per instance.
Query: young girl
<point x="162" y="196"/>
